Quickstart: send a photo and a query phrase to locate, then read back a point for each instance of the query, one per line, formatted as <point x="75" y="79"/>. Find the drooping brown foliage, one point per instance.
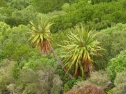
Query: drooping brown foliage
<point x="45" y="47"/>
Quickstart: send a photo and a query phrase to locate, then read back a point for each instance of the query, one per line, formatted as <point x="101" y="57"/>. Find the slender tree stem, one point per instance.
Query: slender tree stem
<point x="61" y="63"/>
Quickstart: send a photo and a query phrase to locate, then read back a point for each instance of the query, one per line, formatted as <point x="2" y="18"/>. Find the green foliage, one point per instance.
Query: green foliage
<point x="117" y="64"/>
<point x="97" y="24"/>
<point x="20" y="4"/>
<point x="12" y="47"/>
<point x="99" y="1"/>
<point x="17" y="12"/>
<point x="67" y="82"/>
<point x="106" y="13"/>
<point x="46" y="6"/>
<point x="23" y="16"/>
<point x="41" y="35"/>
<point x="65" y="7"/>
<point x="40" y="81"/>
<point x="120" y="83"/>
<point x="38" y="61"/>
<point x="5" y="73"/>
<point x="113" y="41"/>
<point x="98" y="78"/>
<point x="16" y="51"/>
<point x="27" y="81"/>
<point x="62" y="36"/>
<point x="79" y="49"/>
<point x="15" y="72"/>
<point x="120" y="78"/>
<point x="66" y="88"/>
<point x="32" y="72"/>
<point x="3" y="3"/>
<point x="4" y="28"/>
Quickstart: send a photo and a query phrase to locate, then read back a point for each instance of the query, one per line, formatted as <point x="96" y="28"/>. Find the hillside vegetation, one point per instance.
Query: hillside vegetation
<point x="62" y="46"/>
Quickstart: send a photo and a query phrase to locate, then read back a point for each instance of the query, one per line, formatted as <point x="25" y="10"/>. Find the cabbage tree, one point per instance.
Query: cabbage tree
<point x="79" y="50"/>
<point x="41" y="38"/>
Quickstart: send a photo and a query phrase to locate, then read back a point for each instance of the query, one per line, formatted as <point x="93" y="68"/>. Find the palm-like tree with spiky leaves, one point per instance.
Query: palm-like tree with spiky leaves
<point x="78" y="51"/>
<point x="41" y="38"/>
<point x="41" y="35"/>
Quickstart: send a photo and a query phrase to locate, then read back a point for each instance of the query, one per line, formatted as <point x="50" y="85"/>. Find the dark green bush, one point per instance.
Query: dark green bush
<point x="99" y="1"/>
<point x="45" y="6"/>
<point x="107" y="13"/>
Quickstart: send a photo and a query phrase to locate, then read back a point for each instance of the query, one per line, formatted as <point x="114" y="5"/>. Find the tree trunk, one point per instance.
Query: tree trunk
<point x="61" y="63"/>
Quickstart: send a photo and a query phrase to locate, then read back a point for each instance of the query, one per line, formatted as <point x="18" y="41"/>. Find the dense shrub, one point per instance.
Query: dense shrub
<point x="107" y="13"/>
<point x="5" y="73"/>
<point x="27" y="80"/>
<point x="17" y="12"/>
<point x="96" y="84"/>
<point x="23" y="16"/>
<point x="117" y="64"/>
<point x="120" y="78"/>
<point x="99" y="1"/>
<point x="12" y="47"/>
<point x="46" y="6"/>
<point x="87" y="89"/>
<point x="3" y="3"/>
<point x="98" y="78"/>
<point x="113" y="41"/>
<point x="120" y="83"/>
<point x="19" y="5"/>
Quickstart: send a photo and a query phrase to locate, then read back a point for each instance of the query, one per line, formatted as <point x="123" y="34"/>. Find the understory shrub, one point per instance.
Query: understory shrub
<point x="96" y="84"/>
<point x="98" y="78"/>
<point x="87" y="89"/>
<point x="120" y="83"/>
<point x="117" y="64"/>
<point x="107" y="13"/>
<point x="15" y="80"/>
<point x="113" y="41"/>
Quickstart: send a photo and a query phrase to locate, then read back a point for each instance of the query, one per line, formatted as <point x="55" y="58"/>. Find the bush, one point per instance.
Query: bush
<point x="107" y="13"/>
<point x="113" y="41"/>
<point x="38" y="82"/>
<point x="5" y="74"/>
<point x="98" y="78"/>
<point x="99" y="1"/>
<point x="117" y="64"/>
<point x="13" y="79"/>
<point x="120" y="83"/>
<point x="120" y="78"/>
<point x="11" y="46"/>
<point x="15" y="17"/>
<point x="96" y="84"/>
<point x="87" y="89"/>
<point x="21" y="16"/>
<point x="45" y="6"/>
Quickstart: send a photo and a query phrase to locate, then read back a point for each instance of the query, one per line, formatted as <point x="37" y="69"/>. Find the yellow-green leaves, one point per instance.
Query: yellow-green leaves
<point x="41" y="35"/>
<point x="79" y="49"/>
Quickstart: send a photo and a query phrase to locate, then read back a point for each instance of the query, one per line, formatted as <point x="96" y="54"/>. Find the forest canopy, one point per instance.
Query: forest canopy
<point x="62" y="46"/>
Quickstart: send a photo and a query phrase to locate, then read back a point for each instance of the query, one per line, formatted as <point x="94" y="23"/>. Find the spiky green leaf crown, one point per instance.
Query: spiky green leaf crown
<point x="79" y="48"/>
<point x="41" y="35"/>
